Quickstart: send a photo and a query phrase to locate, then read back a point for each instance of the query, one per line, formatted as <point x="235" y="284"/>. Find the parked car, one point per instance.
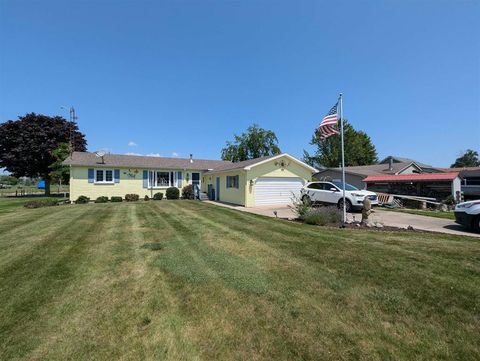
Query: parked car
<point x="5" y="186"/>
<point x="331" y="193"/>
<point x="468" y="214"/>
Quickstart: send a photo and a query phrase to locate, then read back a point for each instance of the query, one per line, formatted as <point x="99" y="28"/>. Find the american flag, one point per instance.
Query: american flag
<point x="328" y="126"/>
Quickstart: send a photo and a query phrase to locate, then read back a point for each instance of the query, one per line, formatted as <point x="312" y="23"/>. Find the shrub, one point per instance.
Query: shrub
<point x="101" y="199"/>
<point x="187" y="192"/>
<point x="146" y="198"/>
<point x="300" y="208"/>
<point x="450" y="200"/>
<point x="172" y="193"/>
<point x="41" y="203"/>
<point x="82" y="200"/>
<point x="323" y="215"/>
<point x="158" y="196"/>
<point x="116" y="199"/>
<point x="131" y="197"/>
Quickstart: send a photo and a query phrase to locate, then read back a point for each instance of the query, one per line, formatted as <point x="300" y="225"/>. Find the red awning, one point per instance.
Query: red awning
<point x="424" y="177"/>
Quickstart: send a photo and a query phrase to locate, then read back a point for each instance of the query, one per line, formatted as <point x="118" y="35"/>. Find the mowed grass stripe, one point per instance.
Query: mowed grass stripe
<point x="42" y="275"/>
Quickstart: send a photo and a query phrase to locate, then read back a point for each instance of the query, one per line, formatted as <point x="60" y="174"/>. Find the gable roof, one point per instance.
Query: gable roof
<point x="403" y="160"/>
<point x="136" y="161"/>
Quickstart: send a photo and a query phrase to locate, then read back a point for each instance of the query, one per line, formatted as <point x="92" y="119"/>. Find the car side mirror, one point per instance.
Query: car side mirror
<point x="333" y="189"/>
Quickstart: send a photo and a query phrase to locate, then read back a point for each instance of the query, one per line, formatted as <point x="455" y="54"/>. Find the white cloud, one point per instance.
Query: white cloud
<point x="153" y="155"/>
<point x="132" y="144"/>
<point x="131" y="153"/>
<point x="175" y="154"/>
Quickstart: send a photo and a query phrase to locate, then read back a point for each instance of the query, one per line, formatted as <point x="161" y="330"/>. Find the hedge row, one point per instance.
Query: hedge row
<point x="171" y="193"/>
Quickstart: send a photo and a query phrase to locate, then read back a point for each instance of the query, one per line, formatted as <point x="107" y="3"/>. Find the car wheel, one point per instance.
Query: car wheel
<point x="306" y="199"/>
<point x="476" y="223"/>
<point x="348" y="205"/>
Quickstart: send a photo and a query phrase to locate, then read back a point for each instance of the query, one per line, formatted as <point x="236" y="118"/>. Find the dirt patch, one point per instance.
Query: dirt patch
<point x="372" y="227"/>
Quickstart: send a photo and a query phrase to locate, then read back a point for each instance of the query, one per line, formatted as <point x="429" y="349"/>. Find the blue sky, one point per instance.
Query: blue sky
<point x="180" y="77"/>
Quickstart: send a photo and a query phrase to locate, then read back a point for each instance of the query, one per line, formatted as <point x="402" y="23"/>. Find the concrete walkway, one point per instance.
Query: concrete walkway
<point x="387" y="218"/>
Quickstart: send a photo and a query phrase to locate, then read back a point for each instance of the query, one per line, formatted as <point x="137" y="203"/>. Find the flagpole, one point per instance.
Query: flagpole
<point x="344" y="218"/>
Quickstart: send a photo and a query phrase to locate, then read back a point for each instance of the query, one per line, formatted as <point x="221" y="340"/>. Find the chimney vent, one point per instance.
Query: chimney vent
<point x="390" y="163"/>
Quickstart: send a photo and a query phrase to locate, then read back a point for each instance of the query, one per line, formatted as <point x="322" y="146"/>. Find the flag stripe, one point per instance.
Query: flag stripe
<point x="328" y="125"/>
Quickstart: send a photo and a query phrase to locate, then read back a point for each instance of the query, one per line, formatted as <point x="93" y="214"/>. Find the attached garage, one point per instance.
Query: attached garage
<point x="274" y="190"/>
<point x="272" y="180"/>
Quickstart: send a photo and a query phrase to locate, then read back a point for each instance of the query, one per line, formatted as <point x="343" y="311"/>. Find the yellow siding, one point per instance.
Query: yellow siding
<point x="245" y="194"/>
<point x="79" y="184"/>
<point x="274" y="168"/>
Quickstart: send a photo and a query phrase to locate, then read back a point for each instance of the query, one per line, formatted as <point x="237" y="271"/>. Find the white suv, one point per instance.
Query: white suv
<point x="468" y="214"/>
<point x="331" y="193"/>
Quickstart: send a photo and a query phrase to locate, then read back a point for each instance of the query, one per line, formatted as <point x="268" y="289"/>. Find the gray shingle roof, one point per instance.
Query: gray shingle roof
<point x="135" y="161"/>
<point x="403" y="160"/>
<point x="374" y="169"/>
<point x="240" y="165"/>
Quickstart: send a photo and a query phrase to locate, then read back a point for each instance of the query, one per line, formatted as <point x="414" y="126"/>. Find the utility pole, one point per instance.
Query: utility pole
<point x="72" y="118"/>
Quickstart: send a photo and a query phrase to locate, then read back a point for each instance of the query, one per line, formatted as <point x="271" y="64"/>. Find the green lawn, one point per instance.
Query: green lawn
<point x="183" y="280"/>
<point x="420" y="212"/>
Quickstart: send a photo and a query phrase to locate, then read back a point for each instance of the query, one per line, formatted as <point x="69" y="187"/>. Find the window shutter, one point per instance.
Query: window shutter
<point x="145" y="179"/>
<point x="91" y="175"/>
<point x="237" y="178"/>
<point x="116" y="175"/>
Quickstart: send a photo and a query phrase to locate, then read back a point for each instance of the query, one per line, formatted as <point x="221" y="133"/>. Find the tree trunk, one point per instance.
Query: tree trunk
<point x="47" y="186"/>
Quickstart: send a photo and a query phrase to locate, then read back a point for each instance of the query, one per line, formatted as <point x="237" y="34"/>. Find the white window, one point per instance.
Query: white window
<point x="103" y="176"/>
<point x="158" y="179"/>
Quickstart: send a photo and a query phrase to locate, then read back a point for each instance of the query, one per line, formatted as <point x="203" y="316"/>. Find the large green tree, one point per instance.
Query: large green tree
<point x="359" y="149"/>
<point x="255" y="142"/>
<point x="26" y="144"/>
<point x="467" y="159"/>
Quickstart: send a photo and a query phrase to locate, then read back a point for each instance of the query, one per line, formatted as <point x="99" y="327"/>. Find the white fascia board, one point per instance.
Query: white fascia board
<point x="313" y="170"/>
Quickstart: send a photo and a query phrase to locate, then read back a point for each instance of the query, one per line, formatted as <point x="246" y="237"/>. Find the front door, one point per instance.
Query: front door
<point x="196" y="179"/>
<point x="217" y="189"/>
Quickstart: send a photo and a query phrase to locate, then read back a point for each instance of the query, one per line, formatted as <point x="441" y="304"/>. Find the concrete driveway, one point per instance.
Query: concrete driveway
<point x="387" y="218"/>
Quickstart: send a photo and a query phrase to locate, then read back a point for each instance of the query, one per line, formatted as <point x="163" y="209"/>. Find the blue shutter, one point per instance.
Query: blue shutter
<point x="145" y="179"/>
<point x="179" y="179"/>
<point x="91" y="175"/>
<point x="116" y="176"/>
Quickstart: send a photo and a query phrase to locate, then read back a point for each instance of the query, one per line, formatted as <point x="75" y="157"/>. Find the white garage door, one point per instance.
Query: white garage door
<point x="276" y="190"/>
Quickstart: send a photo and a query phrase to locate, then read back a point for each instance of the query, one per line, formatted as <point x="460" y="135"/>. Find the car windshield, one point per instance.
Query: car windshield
<point x="348" y="187"/>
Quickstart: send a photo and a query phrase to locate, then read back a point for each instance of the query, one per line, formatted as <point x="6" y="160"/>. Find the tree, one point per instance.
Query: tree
<point x="26" y="144"/>
<point x="359" y="149"/>
<point x="60" y="173"/>
<point x="8" y="179"/>
<point x="468" y="159"/>
<point x="254" y="143"/>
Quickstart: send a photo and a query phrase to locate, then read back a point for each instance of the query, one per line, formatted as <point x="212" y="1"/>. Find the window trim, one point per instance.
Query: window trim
<point x="236" y="181"/>
<point x="172" y="181"/>
<point x="104" y="172"/>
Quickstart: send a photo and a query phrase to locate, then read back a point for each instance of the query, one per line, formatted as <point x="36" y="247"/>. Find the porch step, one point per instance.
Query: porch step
<point x="203" y="196"/>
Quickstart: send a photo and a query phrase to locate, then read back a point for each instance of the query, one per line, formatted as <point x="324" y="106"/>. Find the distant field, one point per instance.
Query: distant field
<point x="185" y="280"/>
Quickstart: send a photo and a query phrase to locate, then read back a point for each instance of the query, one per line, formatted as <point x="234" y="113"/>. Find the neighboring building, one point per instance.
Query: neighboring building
<point x="389" y="166"/>
<point x="434" y="185"/>
<point x="404" y="176"/>
<point x="262" y="181"/>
